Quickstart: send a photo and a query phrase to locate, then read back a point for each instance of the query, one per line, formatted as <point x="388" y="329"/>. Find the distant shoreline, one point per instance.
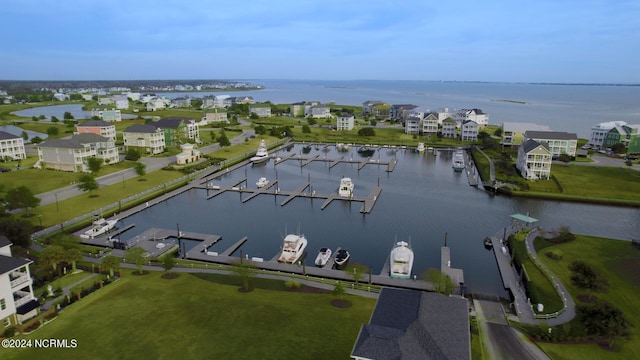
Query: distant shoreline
<point x="512" y="101"/>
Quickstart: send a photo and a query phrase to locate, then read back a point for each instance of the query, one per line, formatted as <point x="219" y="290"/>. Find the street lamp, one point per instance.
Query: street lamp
<point x="57" y="208"/>
<point x="40" y="218"/>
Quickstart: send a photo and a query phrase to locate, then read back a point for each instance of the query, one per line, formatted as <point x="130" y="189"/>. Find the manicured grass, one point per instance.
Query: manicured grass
<point x="63" y="281"/>
<point x="190" y="318"/>
<point x="619" y="263"/>
<point x="245" y="148"/>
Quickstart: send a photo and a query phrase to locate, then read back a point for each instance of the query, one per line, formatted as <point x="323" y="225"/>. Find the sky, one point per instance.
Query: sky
<point x="492" y="40"/>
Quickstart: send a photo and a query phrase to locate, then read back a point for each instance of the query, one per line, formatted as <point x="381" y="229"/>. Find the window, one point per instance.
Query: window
<point x="6" y="322"/>
<point x="3" y="304"/>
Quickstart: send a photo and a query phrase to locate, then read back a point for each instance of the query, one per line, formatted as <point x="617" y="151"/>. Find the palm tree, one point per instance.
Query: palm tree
<point x="53" y="255"/>
<point x="112" y="263"/>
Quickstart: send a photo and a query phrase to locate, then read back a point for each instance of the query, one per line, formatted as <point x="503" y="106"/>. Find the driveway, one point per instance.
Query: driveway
<point x="602" y="160"/>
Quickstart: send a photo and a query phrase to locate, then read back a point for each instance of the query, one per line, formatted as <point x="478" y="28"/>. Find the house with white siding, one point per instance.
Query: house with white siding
<point x="320" y="112"/>
<point x="11" y="146"/>
<point x="412" y="125"/>
<point x="17" y="301"/>
<point x="107" y="115"/>
<point x="105" y="101"/>
<point x="600" y="131"/>
<point x="449" y="128"/>
<point x="121" y="101"/>
<point x="156" y="104"/>
<point x="148" y="139"/>
<point x="215" y="115"/>
<point x="476" y="115"/>
<point x="430" y="124"/>
<point x="469" y="130"/>
<point x="345" y="122"/>
<point x="558" y="142"/>
<point x="72" y="154"/>
<point x="534" y="160"/>
<point x="262" y="110"/>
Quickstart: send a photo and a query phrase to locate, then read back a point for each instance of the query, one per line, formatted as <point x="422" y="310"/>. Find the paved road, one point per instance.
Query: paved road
<point x="602" y="160"/>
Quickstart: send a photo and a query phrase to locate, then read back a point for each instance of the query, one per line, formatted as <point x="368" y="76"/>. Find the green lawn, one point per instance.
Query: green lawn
<point x="66" y="280"/>
<point x="146" y="317"/>
<point x="619" y="263"/>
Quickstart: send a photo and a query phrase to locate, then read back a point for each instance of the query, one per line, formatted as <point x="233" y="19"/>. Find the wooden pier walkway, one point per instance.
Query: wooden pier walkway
<point x="335" y="162"/>
<point x="222" y="189"/>
<point x="370" y="201"/>
<point x="308" y="161"/>
<point x="296" y="193"/>
<point x="234" y="247"/>
<point x="262" y="190"/>
<point x="456" y="275"/>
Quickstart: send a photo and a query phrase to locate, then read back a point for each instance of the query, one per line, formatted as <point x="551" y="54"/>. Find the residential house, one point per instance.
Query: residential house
<point x="189" y="154"/>
<point x="430" y="124"/>
<point x="449" y="128"/>
<point x="148" y="139"/>
<point x="615" y="135"/>
<point x="469" y="130"/>
<point x="345" y="122"/>
<point x="208" y="101"/>
<point x="156" y="104"/>
<point x="399" y="112"/>
<point x="444" y="114"/>
<point x="409" y="324"/>
<point x="476" y="115"/>
<point x="558" y="142"/>
<point x="367" y="106"/>
<point x="182" y="102"/>
<point x="17" y="301"/>
<point x="262" y="109"/>
<point x="381" y="111"/>
<point x="419" y="112"/>
<point x="177" y="129"/>
<point x="242" y="100"/>
<point x="221" y="101"/>
<point x="87" y="97"/>
<point x="600" y="131"/>
<point x="72" y="154"/>
<point x="11" y="146"/>
<point x="61" y="97"/>
<point x="412" y="125"/>
<point x="303" y="108"/>
<point x="133" y="96"/>
<point x="215" y="115"/>
<point x="320" y="112"/>
<point x="107" y="115"/>
<point x="98" y="127"/>
<point x="121" y="101"/>
<point x="105" y="101"/>
<point x="534" y="160"/>
<point x="633" y="139"/>
<point x="145" y="98"/>
<point x="513" y="133"/>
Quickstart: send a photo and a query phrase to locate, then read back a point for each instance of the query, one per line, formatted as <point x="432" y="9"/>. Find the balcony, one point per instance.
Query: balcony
<point x="22" y="297"/>
<point x="20" y="280"/>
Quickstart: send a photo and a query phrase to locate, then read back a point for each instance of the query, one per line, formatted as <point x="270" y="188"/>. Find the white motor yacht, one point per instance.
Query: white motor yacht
<point x="99" y="227"/>
<point x="458" y="160"/>
<point x="292" y="248"/>
<point x="346" y="187"/>
<point x="262" y="154"/>
<point x="262" y="182"/>
<point x="401" y="260"/>
<point x="323" y="257"/>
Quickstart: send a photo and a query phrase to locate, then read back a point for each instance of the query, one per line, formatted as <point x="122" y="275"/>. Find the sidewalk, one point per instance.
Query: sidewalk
<point x="66" y="291"/>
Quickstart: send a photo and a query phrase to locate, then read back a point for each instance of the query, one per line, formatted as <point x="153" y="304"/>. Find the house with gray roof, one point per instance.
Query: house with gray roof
<point x="11" y="146"/>
<point x="534" y="160"/>
<point x="260" y="109"/>
<point x="449" y="128"/>
<point x="17" y="301"/>
<point x="99" y="127"/>
<point x="146" y="138"/>
<point x="177" y="130"/>
<point x="409" y="324"/>
<point x="399" y="112"/>
<point x="72" y="154"/>
<point x="559" y="142"/>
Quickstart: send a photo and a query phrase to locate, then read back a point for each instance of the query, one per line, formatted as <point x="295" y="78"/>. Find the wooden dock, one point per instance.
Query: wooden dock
<point x="296" y="193"/>
<point x="262" y="190"/>
<point x="308" y="161"/>
<point x="335" y="162"/>
<point x="456" y="275"/>
<point x="222" y="189"/>
<point x="234" y="247"/>
<point x="370" y="201"/>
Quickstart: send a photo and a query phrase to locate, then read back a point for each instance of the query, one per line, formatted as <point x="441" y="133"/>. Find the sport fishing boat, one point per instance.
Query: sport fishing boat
<point x="99" y="226"/>
<point x="346" y="187"/>
<point x="262" y="155"/>
<point x="401" y="261"/>
<point x="292" y="248"/>
<point x="458" y="160"/>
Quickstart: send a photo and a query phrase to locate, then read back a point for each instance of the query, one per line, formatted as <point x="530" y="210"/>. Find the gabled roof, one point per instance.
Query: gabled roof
<point x="76" y="141"/>
<point x="141" y="128"/>
<point x="4" y="241"/>
<point x="171" y="122"/>
<point x="468" y="122"/>
<point x="6" y="136"/>
<point x="260" y="105"/>
<point x="409" y="324"/>
<point x="100" y="123"/>
<point x="555" y="135"/>
<point x="449" y="120"/>
<point x="531" y="144"/>
<point x="9" y="263"/>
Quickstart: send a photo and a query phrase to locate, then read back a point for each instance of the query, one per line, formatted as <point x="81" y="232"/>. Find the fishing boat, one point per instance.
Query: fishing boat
<point x="323" y="257"/>
<point x="401" y="261"/>
<point x="292" y="248"/>
<point x="262" y="155"/>
<point x="342" y="257"/>
<point x="420" y="147"/>
<point x="346" y="187"/>
<point x="366" y="151"/>
<point x="262" y="182"/>
<point x="98" y="227"/>
<point x="342" y="147"/>
<point x="458" y="160"/>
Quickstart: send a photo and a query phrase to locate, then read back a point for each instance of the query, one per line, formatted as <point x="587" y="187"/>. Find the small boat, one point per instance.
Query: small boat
<point x="262" y="155"/>
<point x="99" y="226"/>
<point x="366" y="151"/>
<point x="342" y="147"/>
<point x="458" y="160"/>
<point x="401" y="261"/>
<point x="323" y="256"/>
<point x="420" y="147"/>
<point x="292" y="248"/>
<point x="346" y="187"/>
<point x="262" y="182"/>
<point x="342" y="257"/>
<point x="488" y="244"/>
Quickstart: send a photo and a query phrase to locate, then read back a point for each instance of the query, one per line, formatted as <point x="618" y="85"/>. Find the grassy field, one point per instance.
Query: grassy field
<point x="592" y="182"/>
<point x="63" y="281"/>
<point x="143" y="317"/>
<point x="619" y="263"/>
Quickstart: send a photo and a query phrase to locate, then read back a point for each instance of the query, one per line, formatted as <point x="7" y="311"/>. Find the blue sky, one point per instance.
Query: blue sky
<point x="530" y="41"/>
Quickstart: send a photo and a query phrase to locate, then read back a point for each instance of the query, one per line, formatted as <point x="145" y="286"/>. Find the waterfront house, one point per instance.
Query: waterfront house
<point x="410" y="324"/>
<point x="107" y="115"/>
<point x="145" y="98"/>
<point x="399" y="112"/>
<point x="449" y="128"/>
<point x="558" y="142"/>
<point x="381" y="111"/>
<point x="633" y="139"/>
<point x="600" y="131"/>
<point x="469" y="130"/>
<point x="215" y="115"/>
<point x="72" y="154"/>
<point x="11" y="146"/>
<point x="419" y="112"/>
<point x="121" y="101"/>
<point x="534" y="160"/>
<point x="133" y="96"/>
<point x="367" y="106"/>
<point x="444" y="114"/>
<point x="412" y="125"/>
<point x="182" y="102"/>
<point x="345" y="122"/>
<point x="262" y="109"/>
<point x="105" y="101"/>
<point x="513" y="132"/>
<point x="148" y="139"/>
<point x="476" y="115"/>
<point x="178" y="129"/>
<point x="156" y="104"/>
<point x="242" y="100"/>
<point x="17" y="301"/>
<point x="98" y="127"/>
<point x="87" y="97"/>
<point x="189" y="154"/>
<point x="614" y="136"/>
<point x="61" y="97"/>
<point x="320" y="112"/>
<point x="430" y="124"/>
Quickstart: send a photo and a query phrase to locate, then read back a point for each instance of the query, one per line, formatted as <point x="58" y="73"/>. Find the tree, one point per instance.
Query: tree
<point x="367" y="132"/>
<point x="356" y="271"/>
<point x="254" y="116"/>
<point x="112" y="263"/>
<point x="441" y="281"/>
<point x="94" y="164"/>
<point x="67" y="116"/>
<point x="86" y="182"/>
<point x="619" y="148"/>
<point x="212" y="135"/>
<point x="168" y="262"/>
<point x="132" y="155"/>
<point x="605" y="320"/>
<point x="565" y="158"/>
<point x="260" y="130"/>
<point x="585" y="277"/>
<point x="17" y="231"/>
<point x="196" y="103"/>
<point x="141" y="168"/>
<point x="52" y="255"/>
<point x="54" y="119"/>
<point x="223" y="140"/>
<point x="373" y="122"/>
<point x="25" y="135"/>
<point x="498" y="132"/>
<point x="311" y="121"/>
<point x="137" y="256"/>
<point x="35" y="118"/>
<point x="21" y="197"/>
<point x="244" y="269"/>
<point x="36" y="140"/>
<point x="73" y="255"/>
<point x="306" y="129"/>
<point x="339" y="291"/>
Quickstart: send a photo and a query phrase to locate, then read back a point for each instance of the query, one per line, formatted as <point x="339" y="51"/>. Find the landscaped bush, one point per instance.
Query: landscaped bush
<point x="292" y="284"/>
<point x="555" y="254"/>
<point x="9" y="332"/>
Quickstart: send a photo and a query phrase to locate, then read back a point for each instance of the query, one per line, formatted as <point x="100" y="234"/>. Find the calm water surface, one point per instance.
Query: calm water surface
<point x="422" y="200"/>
